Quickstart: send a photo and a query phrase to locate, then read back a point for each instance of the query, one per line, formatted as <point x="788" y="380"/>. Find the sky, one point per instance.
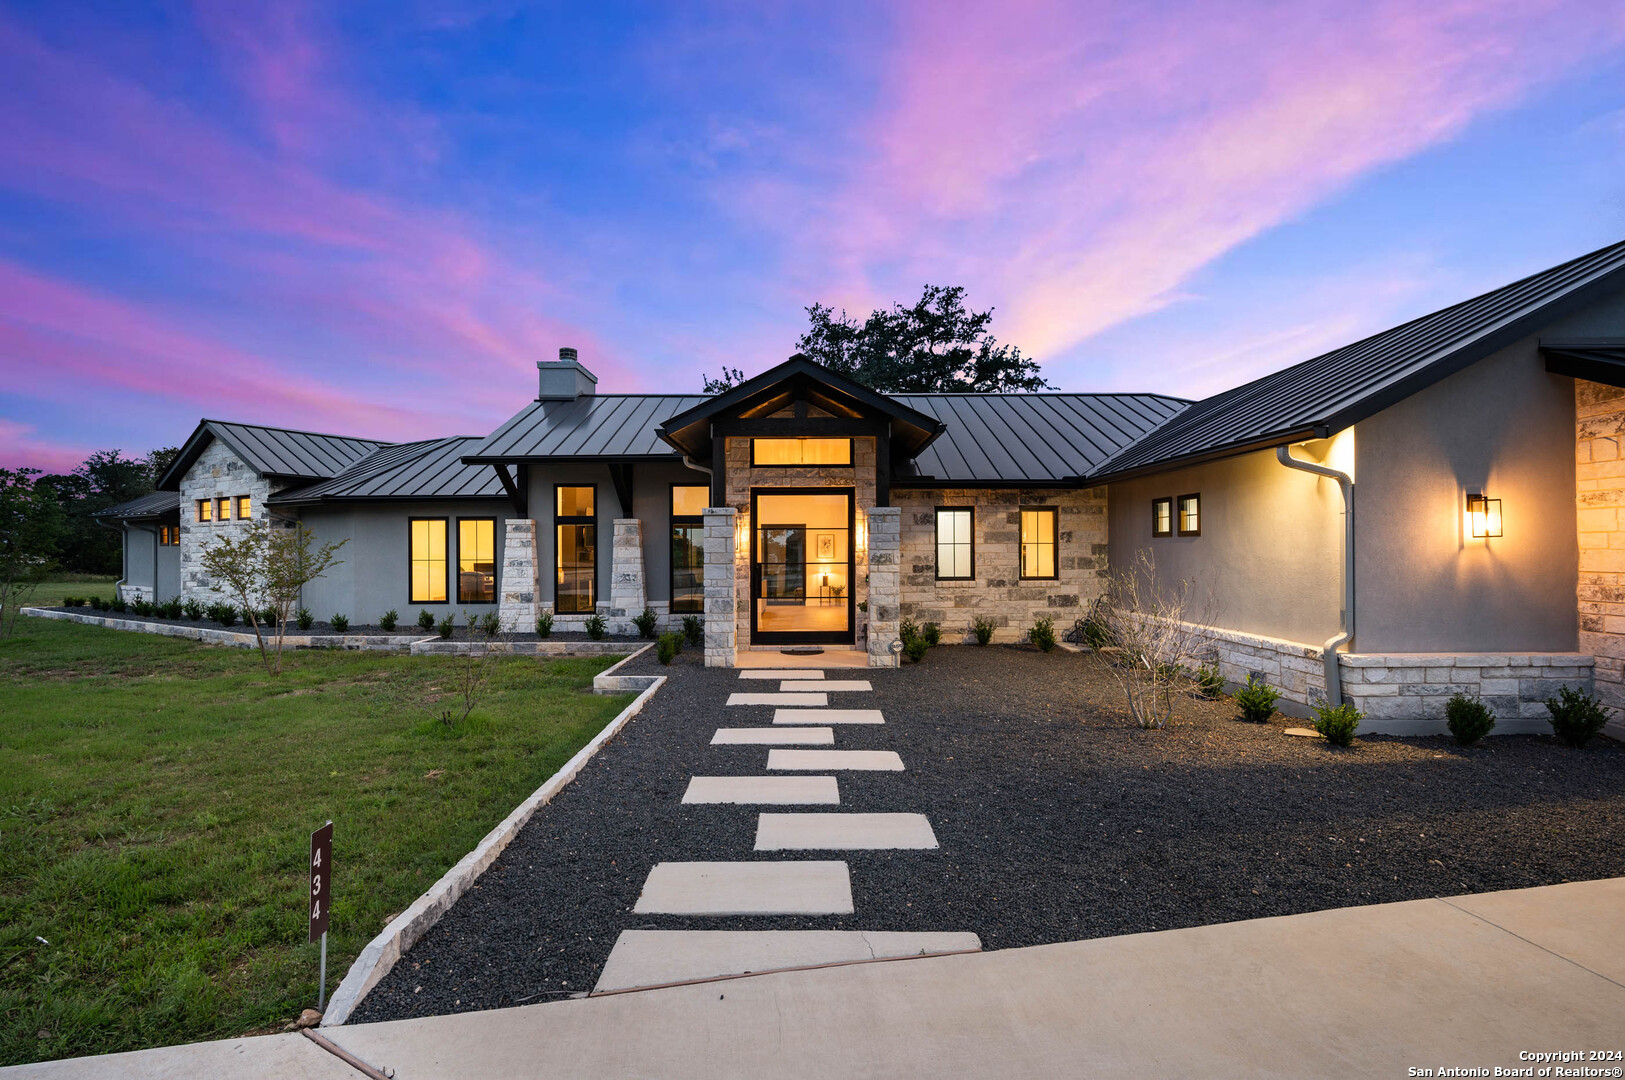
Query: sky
<point x="374" y="218"/>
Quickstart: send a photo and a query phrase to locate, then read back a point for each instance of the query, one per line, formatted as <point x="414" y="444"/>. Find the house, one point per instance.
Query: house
<point x="1428" y="510"/>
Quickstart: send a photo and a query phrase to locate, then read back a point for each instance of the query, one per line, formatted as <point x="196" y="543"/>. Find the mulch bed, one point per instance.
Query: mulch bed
<point x="321" y="628"/>
<point x="1057" y="821"/>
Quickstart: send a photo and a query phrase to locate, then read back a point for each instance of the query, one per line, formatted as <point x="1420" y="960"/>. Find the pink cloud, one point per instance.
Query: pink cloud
<point x="21" y="449"/>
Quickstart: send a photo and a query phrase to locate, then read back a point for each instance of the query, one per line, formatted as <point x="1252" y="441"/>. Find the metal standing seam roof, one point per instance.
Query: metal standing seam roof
<point x="1326" y="394"/>
<point x="156" y="504"/>
<point x="271" y="451"/>
<point x="611" y="426"/>
<point x="432" y="469"/>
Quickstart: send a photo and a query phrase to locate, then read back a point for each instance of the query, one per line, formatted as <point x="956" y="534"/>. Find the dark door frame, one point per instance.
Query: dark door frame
<point x="805" y="637"/>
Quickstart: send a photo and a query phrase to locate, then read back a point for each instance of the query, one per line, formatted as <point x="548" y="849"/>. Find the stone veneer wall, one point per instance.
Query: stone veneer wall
<point x="1599" y="481"/>
<point x="998" y="592"/>
<point x="518" y="605"/>
<point x="721" y="605"/>
<point x="627" y="593"/>
<point x="217" y="473"/>
<point x="885" y="554"/>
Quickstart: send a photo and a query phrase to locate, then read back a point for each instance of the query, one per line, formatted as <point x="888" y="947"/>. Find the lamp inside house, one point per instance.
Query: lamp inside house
<point x="1483" y="516"/>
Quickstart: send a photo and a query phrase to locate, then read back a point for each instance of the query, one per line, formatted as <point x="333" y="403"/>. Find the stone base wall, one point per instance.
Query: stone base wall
<point x="136" y="592"/>
<point x="627" y="595"/>
<point x="885" y="535"/>
<point x="1297" y="670"/>
<point x="518" y="605"/>
<point x="721" y="618"/>
<point x="1599" y="481"/>
<point x="998" y="591"/>
<point x="1405" y="694"/>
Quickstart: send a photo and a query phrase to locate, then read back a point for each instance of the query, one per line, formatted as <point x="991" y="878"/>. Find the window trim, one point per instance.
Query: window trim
<point x="1168" y="501"/>
<point x="237" y="508"/>
<point x="674" y="519"/>
<point x="496" y="562"/>
<point x="851" y="452"/>
<point x="205" y="511"/>
<point x="1179" y="524"/>
<point x="445" y="523"/>
<point x="575" y="520"/>
<point x="222" y="508"/>
<point x="1021" y="569"/>
<point x="936" y="542"/>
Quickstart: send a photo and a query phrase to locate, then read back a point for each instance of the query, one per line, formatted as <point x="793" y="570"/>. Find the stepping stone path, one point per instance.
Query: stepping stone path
<point x="789" y="886"/>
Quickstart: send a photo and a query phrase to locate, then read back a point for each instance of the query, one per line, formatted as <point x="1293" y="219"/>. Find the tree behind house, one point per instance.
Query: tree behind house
<point x="267" y="565"/>
<point x="30" y="526"/>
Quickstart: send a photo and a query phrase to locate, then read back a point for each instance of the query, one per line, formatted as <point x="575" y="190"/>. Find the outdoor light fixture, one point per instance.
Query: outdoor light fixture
<point x="1483" y="516"/>
<point x="742" y="535"/>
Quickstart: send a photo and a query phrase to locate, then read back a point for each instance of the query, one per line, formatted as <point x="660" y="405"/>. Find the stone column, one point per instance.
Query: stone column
<point x="885" y="584"/>
<point x="518" y="606"/>
<point x="627" y="595"/>
<point x="721" y="629"/>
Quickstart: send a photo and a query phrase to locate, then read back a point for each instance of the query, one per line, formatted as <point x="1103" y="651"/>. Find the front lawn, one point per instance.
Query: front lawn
<point x="156" y="804"/>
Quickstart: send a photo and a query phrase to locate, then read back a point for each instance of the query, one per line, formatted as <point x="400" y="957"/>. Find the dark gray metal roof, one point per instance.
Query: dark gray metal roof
<point x="1030" y="438"/>
<point x="1324" y="395"/>
<point x="1601" y="361"/>
<point x="613" y="426"/>
<point x="157" y="504"/>
<point x="270" y="451"/>
<point x="432" y="469"/>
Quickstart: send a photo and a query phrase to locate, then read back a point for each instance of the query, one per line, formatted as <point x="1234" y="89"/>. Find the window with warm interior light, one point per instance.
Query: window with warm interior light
<point x="1162" y="517"/>
<point x="1190" y="515"/>
<point x="476" y="560"/>
<point x="956" y="547"/>
<point x="428" y="560"/>
<point x="245" y="508"/>
<point x="801" y="452"/>
<point x="575" y="549"/>
<point x="205" y="509"/>
<point x="222" y="509"/>
<point x="1038" y="533"/>
<point x="688" y="503"/>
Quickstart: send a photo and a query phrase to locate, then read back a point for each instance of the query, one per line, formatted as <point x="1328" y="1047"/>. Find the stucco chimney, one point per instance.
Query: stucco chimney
<point x="564" y="379"/>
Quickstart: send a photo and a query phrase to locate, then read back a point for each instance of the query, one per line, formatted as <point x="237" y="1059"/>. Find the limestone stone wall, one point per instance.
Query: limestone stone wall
<point x="1405" y="693"/>
<point x="885" y="553"/>
<point x="517" y="607"/>
<point x="998" y="591"/>
<point x="721" y="607"/>
<point x="1599" y="480"/>
<point x="217" y="473"/>
<point x="627" y="594"/>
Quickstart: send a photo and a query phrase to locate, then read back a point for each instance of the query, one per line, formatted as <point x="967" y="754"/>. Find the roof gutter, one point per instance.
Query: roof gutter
<point x="1345" y="632"/>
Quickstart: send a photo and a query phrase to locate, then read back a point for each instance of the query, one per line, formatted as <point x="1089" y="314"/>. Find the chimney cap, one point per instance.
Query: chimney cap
<point x="567" y="352"/>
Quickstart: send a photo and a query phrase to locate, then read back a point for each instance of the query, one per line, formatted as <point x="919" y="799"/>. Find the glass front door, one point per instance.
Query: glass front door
<point x="801" y="567"/>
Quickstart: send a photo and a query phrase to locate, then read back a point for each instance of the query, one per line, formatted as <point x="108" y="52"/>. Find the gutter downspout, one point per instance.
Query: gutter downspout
<point x="1345" y="633"/>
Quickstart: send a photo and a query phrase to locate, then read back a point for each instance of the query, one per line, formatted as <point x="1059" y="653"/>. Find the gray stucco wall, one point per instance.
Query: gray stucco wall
<point x="1268" y="559"/>
<point x="139" y="545"/>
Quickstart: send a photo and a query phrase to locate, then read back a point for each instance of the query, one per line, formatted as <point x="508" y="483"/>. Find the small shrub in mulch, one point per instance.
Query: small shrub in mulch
<point x="1576" y="716"/>
<point x="694" y="630"/>
<point x="340" y="623"/>
<point x="1338" y="722"/>
<point x="1043" y="633"/>
<point x="1257" y="700"/>
<point x="1468" y="719"/>
<point x="193" y="610"/>
<point x="645" y="622"/>
<point x="669" y="646"/>
<point x="544" y="624"/>
<point x="304" y="620"/>
<point x="983" y="629"/>
<point x="388" y="619"/>
<point x="445" y="628"/>
<point x="915" y="648"/>
<point x="932" y="633"/>
<point x="425" y="619"/>
<point x="1209" y="683"/>
<point x="596" y="627"/>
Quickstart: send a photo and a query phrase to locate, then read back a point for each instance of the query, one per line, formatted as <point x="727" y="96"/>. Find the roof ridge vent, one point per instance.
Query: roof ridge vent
<point x="564" y="379"/>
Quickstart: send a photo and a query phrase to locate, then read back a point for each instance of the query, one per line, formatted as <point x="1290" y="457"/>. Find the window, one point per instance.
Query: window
<point x="688" y="503"/>
<point x="205" y="509"/>
<point x="476" y="560"/>
<point x="428" y="557"/>
<point x="1038" y="542"/>
<point x="801" y="452"/>
<point x="245" y="508"/>
<point x="1190" y="515"/>
<point x="1162" y="517"/>
<point x="575" y="550"/>
<point x="222" y="509"/>
<point x="956" y="548"/>
<point x="169" y="535"/>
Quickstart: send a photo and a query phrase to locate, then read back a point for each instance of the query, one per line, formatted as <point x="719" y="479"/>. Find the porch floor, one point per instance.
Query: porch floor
<point x="833" y="656"/>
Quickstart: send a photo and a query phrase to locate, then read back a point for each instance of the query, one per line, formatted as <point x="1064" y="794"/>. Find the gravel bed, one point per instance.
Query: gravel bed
<point x="1057" y="821"/>
<point x="323" y="628"/>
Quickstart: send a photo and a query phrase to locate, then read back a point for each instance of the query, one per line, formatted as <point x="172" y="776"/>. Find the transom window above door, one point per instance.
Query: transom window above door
<point x="801" y="452"/>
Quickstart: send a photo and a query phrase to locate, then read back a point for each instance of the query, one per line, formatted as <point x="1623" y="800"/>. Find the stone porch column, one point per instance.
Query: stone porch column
<point x="518" y="605"/>
<point x="885" y="582"/>
<point x="627" y="594"/>
<point x="721" y="626"/>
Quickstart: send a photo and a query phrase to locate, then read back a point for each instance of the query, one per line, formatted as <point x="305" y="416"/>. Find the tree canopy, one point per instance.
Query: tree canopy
<point x="935" y="346"/>
<point x="102" y="480"/>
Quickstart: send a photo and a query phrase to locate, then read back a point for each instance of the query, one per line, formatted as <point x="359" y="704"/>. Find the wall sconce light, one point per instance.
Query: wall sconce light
<point x="742" y="535"/>
<point x="1483" y="516"/>
<point x="859" y="535"/>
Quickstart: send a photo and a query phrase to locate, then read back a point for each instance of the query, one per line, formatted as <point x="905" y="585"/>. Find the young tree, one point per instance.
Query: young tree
<point x="266" y="565"/>
<point x="1155" y="631"/>
<point x="30" y="526"/>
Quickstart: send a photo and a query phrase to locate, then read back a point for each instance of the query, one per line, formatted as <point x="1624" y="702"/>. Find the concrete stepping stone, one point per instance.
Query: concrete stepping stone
<point x="757" y="736"/>
<point x="828" y="716"/>
<point x="832" y="685"/>
<point x="747" y="888"/>
<point x="765" y="790"/>
<point x="843" y="832"/>
<point x="658" y="957"/>
<point x="781" y="673"/>
<point x="778" y="699"/>
<point x="868" y="760"/>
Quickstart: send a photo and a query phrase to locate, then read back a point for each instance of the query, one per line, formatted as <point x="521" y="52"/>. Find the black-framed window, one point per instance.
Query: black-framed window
<point x="205" y="510"/>
<point x="245" y="508"/>
<point x="956" y="543"/>
<point x="1040" y="532"/>
<point x="1162" y="517"/>
<point x="476" y="560"/>
<point x="688" y="503"/>
<point x="575" y="549"/>
<point x="1190" y="515"/>
<point x="222" y="509"/>
<point x="169" y="535"/>
<point x="801" y="452"/>
<point x="426" y="558"/>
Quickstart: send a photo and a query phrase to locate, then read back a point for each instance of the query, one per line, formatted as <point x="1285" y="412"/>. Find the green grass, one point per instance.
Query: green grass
<point x="50" y="593"/>
<point x="155" y="809"/>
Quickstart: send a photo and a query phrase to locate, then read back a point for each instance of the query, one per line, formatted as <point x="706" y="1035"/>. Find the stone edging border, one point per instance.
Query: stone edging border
<point x="236" y="638"/>
<point x="407" y="928"/>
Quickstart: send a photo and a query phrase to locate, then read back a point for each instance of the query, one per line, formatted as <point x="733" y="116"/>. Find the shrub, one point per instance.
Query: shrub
<point x="70" y="601"/>
<point x="908" y="630"/>
<point x="340" y="623"/>
<point x="1576" y="716"/>
<point x="1209" y="683"/>
<point x="99" y="604"/>
<point x="445" y="627"/>
<point x="670" y="645"/>
<point x="694" y="630"/>
<point x="490" y="624"/>
<point x="983" y="629"/>
<point x="596" y="627"/>
<point x="1094" y="631"/>
<point x="304" y="620"/>
<point x="426" y="619"/>
<point x="1043" y="633"/>
<point x="266" y="616"/>
<point x="544" y="624"/>
<point x="915" y="648"/>
<point x="389" y="618"/>
<point x="172" y="608"/>
<point x="645" y="622"/>
<point x="1468" y="718"/>
<point x="1337" y="722"/>
<point x="193" y="610"/>
<point x="141" y="606"/>
<point x="932" y="634"/>
<point x="224" y="614"/>
<point x="1257" y="699"/>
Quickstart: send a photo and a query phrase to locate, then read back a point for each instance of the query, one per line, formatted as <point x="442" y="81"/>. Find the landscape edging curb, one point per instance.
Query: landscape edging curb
<point x="407" y="928"/>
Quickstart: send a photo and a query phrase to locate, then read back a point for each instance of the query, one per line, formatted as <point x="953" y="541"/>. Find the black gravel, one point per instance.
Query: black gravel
<point x="1057" y="821"/>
